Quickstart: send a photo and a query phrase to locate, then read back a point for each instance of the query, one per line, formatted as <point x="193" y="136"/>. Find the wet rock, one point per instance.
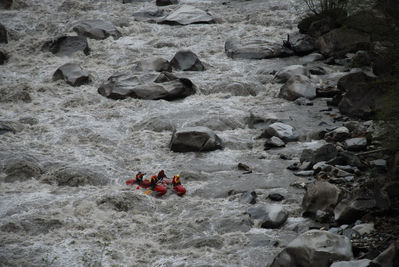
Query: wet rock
<point x="294" y="166"/>
<point x="41" y="225"/>
<point x="195" y="139"/>
<point x="3" y="34"/>
<point x="361" y="59"/>
<point x="347" y="158"/>
<point x="187" y="15"/>
<point x="16" y="93"/>
<point x="314" y="248"/>
<point x="329" y="91"/>
<point x="288" y="72"/>
<point x="123" y="202"/>
<point x="302" y="101"/>
<point x="22" y="169"/>
<point x="302" y="44"/>
<point x="236" y="88"/>
<point x="304" y="173"/>
<point x="275" y="197"/>
<point x="150" y="14"/>
<point x="285" y="132"/>
<point x="254" y="49"/>
<point x="29" y="120"/>
<point x="6" y="128"/>
<point x="261" y="240"/>
<point x="356" y="144"/>
<point x="274" y="141"/>
<point x="323" y="153"/>
<point x="351" y="233"/>
<point x="72" y="74"/>
<point x="298" y="86"/>
<point x="249" y="197"/>
<point x="244" y="167"/>
<point x="390" y="256"/>
<point x="311" y="58"/>
<point x="233" y="224"/>
<point x="320" y="196"/>
<point x="6" y="4"/>
<point x="3" y="57"/>
<point x="153" y="64"/>
<point x="166" y="2"/>
<point x="392" y="189"/>
<point x="380" y="164"/>
<point x="209" y="241"/>
<point x="337" y="135"/>
<point x="270" y="216"/>
<point x="364" y="228"/>
<point x="317" y="70"/>
<point x="186" y="60"/>
<point x="96" y="29"/>
<point x="146" y="86"/>
<point x="67" y="45"/>
<point x="356" y="263"/>
<point x="74" y="176"/>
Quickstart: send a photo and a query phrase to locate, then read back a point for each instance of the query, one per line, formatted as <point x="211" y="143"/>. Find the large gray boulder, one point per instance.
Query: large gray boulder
<point x="314" y="248"/>
<point x="296" y="87"/>
<point x="321" y="196"/>
<point x="195" y="139"/>
<point x="323" y="153"/>
<point x="302" y="44"/>
<point x="187" y="14"/>
<point x="151" y="86"/>
<point x="67" y="45"/>
<point x="254" y="49"/>
<point x="3" y="34"/>
<point x="285" y="132"/>
<point x="153" y="64"/>
<point x="72" y="74"/>
<point x="186" y="60"/>
<point x="288" y="72"/>
<point x="96" y="29"/>
<point x="268" y="216"/>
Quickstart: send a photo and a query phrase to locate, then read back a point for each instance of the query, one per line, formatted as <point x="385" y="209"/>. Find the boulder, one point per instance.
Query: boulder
<point x="148" y="14"/>
<point x="356" y="144"/>
<point x="311" y="58"/>
<point x="96" y="29"/>
<point x="248" y="197"/>
<point x="298" y="86"/>
<point x="233" y="224"/>
<point x="3" y="34"/>
<point x="288" y="72"/>
<point x="317" y="70"/>
<point x="390" y="256"/>
<point x="329" y="91"/>
<point x="153" y="64"/>
<point x="320" y="196"/>
<point x="347" y="158"/>
<point x="314" y="248"/>
<point x="3" y="57"/>
<point x="323" y="153"/>
<point x="274" y="141"/>
<point x="151" y="86"/>
<point x="270" y="216"/>
<point x="285" y="132"/>
<point x="337" y="135"/>
<point x="67" y="45"/>
<point x="74" y="176"/>
<point x="72" y="74"/>
<point x="364" y="228"/>
<point x="338" y="42"/>
<point x="275" y="197"/>
<point x="195" y="139"/>
<point x="303" y="101"/>
<point x="302" y="44"/>
<point x="187" y="14"/>
<point x="186" y="60"/>
<point x="6" y="4"/>
<point x="304" y="173"/>
<point x="254" y="49"/>
<point x="166" y="2"/>
<point x="22" y="169"/>
<point x="356" y="263"/>
<point x="123" y="202"/>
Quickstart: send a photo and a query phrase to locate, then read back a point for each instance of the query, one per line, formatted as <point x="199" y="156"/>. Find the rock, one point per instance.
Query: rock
<point x="39" y="225"/>
<point x="186" y="60"/>
<point x="270" y="216"/>
<point x="314" y="248"/>
<point x="356" y="144"/>
<point x="285" y="132"/>
<point x="379" y="164"/>
<point x="67" y="45"/>
<point x="356" y="263"/>
<point x="323" y="153"/>
<point x="74" y="176"/>
<point x="302" y="44"/>
<point x="390" y="256"/>
<point x="351" y="233"/>
<point x="288" y="72"/>
<point x="200" y="242"/>
<point x="302" y="101"/>
<point x="337" y="135"/>
<point x="304" y="173"/>
<point x="392" y="189"/>
<point x="329" y="91"/>
<point x="150" y="15"/>
<point x="3" y="34"/>
<point x="254" y="49"/>
<point x="317" y="70"/>
<point x="16" y="93"/>
<point x="356" y="79"/>
<point x="261" y="240"/>
<point x="311" y="58"/>
<point x="233" y="224"/>
<point x="298" y="86"/>
<point x="187" y="15"/>
<point x="166" y="2"/>
<point x="244" y="167"/>
<point x="347" y="158"/>
<point x="6" y="4"/>
<point x="146" y="86"/>
<point x="123" y="202"/>
<point x="236" y="88"/>
<point x="320" y="196"/>
<point x="364" y="228"/>
<point x="361" y="59"/>
<point x="22" y="169"/>
<point x="195" y="139"/>
<point x="3" y="57"/>
<point x="248" y="197"/>
<point x="72" y="74"/>
<point x="10" y="126"/>
<point x="274" y="142"/>
<point x="340" y="41"/>
<point x="153" y="64"/>
<point x="96" y="29"/>
<point x="29" y="120"/>
<point x="275" y="197"/>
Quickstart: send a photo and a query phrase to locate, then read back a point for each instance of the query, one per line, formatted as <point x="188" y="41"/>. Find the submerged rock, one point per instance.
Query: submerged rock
<point x="6" y="4"/>
<point x="186" y="60"/>
<point x="22" y="169"/>
<point x="67" y="45"/>
<point x="195" y="139"/>
<point x="233" y="224"/>
<point x="74" y="176"/>
<point x="268" y="216"/>
<point x="96" y="29"/>
<point x="3" y="57"/>
<point x="72" y="74"/>
<point x="298" y="86"/>
<point x="187" y="15"/>
<point x="150" y="14"/>
<point x="16" y="93"/>
<point x="320" y="196"/>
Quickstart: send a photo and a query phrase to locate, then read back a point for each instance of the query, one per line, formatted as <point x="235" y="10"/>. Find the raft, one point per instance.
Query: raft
<point x="160" y="188"/>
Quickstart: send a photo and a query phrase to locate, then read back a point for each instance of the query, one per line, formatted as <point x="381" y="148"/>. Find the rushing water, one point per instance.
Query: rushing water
<point x="77" y="127"/>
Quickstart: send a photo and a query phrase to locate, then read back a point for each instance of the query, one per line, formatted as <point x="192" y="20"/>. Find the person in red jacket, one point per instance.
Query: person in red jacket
<point x="139" y="178"/>
<point x="154" y="181"/>
<point x="176" y="180"/>
<point x="161" y="175"/>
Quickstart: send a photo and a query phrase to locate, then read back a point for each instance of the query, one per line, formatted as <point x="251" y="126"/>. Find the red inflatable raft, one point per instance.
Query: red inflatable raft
<point x="161" y="189"/>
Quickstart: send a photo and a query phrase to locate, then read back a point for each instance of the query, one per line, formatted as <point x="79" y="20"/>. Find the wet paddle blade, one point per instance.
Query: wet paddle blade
<point x="148" y="191"/>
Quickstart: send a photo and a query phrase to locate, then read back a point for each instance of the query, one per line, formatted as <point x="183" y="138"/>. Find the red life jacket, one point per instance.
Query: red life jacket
<point x="176" y="180"/>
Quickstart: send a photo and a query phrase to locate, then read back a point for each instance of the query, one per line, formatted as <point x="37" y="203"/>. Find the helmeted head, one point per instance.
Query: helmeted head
<point x="178" y="176"/>
<point x="161" y="172"/>
<point x="154" y="176"/>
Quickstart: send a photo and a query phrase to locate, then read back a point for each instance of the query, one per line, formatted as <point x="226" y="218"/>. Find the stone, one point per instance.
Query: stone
<point x="285" y="132"/>
<point x="6" y="4"/>
<point x="233" y="224"/>
<point x="72" y="74"/>
<point x="320" y="196"/>
<point x="248" y="197"/>
<point x="329" y="91"/>
<point x="269" y="216"/>
<point x="337" y="135"/>
<point x="286" y="73"/>
<point x="16" y="93"/>
<point x="195" y="139"/>
<point x="96" y="29"/>
<point x="302" y="44"/>
<point x="311" y="58"/>
<point x="316" y="70"/>
<point x="364" y="228"/>
<point x="122" y="202"/>
<point x="67" y="45"/>
<point x="254" y="49"/>
<point x="74" y="176"/>
<point x="166" y="2"/>
<point x="302" y="101"/>
<point x="356" y="144"/>
<point x="379" y="164"/>
<point x="153" y="64"/>
<point x="186" y="60"/>
<point x="298" y="86"/>
<point x="323" y="153"/>
<point x="148" y="14"/>
<point x="3" y="34"/>
<point x="356" y="263"/>
<point x="22" y="169"/>
<point x="187" y="14"/>
<point x="304" y="173"/>
<point x="244" y="167"/>
<point x="275" y="197"/>
<point x="347" y="158"/>
<point x="390" y="256"/>
<point x="151" y="86"/>
<point x="3" y="57"/>
<point x="351" y="233"/>
<point x="273" y="142"/>
<point x="314" y="248"/>
<point x="361" y="59"/>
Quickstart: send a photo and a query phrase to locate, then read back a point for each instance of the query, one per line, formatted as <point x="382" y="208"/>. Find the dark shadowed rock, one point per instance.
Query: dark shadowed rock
<point x="153" y="64"/>
<point x="275" y="197"/>
<point x="285" y="132"/>
<point x="67" y="45"/>
<point x="22" y="169"/>
<point x="96" y="29"/>
<point x="356" y="144"/>
<point x="390" y="256"/>
<point x="323" y="153"/>
<point x="302" y="44"/>
<point x="248" y="197"/>
<point x="317" y="70"/>
<point x="3" y="34"/>
<point x="314" y="248"/>
<point x="269" y="216"/>
<point x="298" y="86"/>
<point x="3" y="57"/>
<point x="337" y="135"/>
<point x="320" y="196"/>
<point x="347" y="158"/>
<point x="151" y="86"/>
<point x="6" y="4"/>
<point x="254" y="49"/>
<point x="195" y="139"/>
<point x="187" y="15"/>
<point x="356" y="263"/>
<point x="166" y="2"/>
<point x="288" y="72"/>
<point x="72" y="74"/>
<point x="16" y="93"/>
<point x="74" y="176"/>
<point x="186" y="60"/>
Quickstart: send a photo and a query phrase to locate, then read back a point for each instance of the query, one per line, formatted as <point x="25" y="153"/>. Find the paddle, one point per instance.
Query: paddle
<point x="148" y="191"/>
